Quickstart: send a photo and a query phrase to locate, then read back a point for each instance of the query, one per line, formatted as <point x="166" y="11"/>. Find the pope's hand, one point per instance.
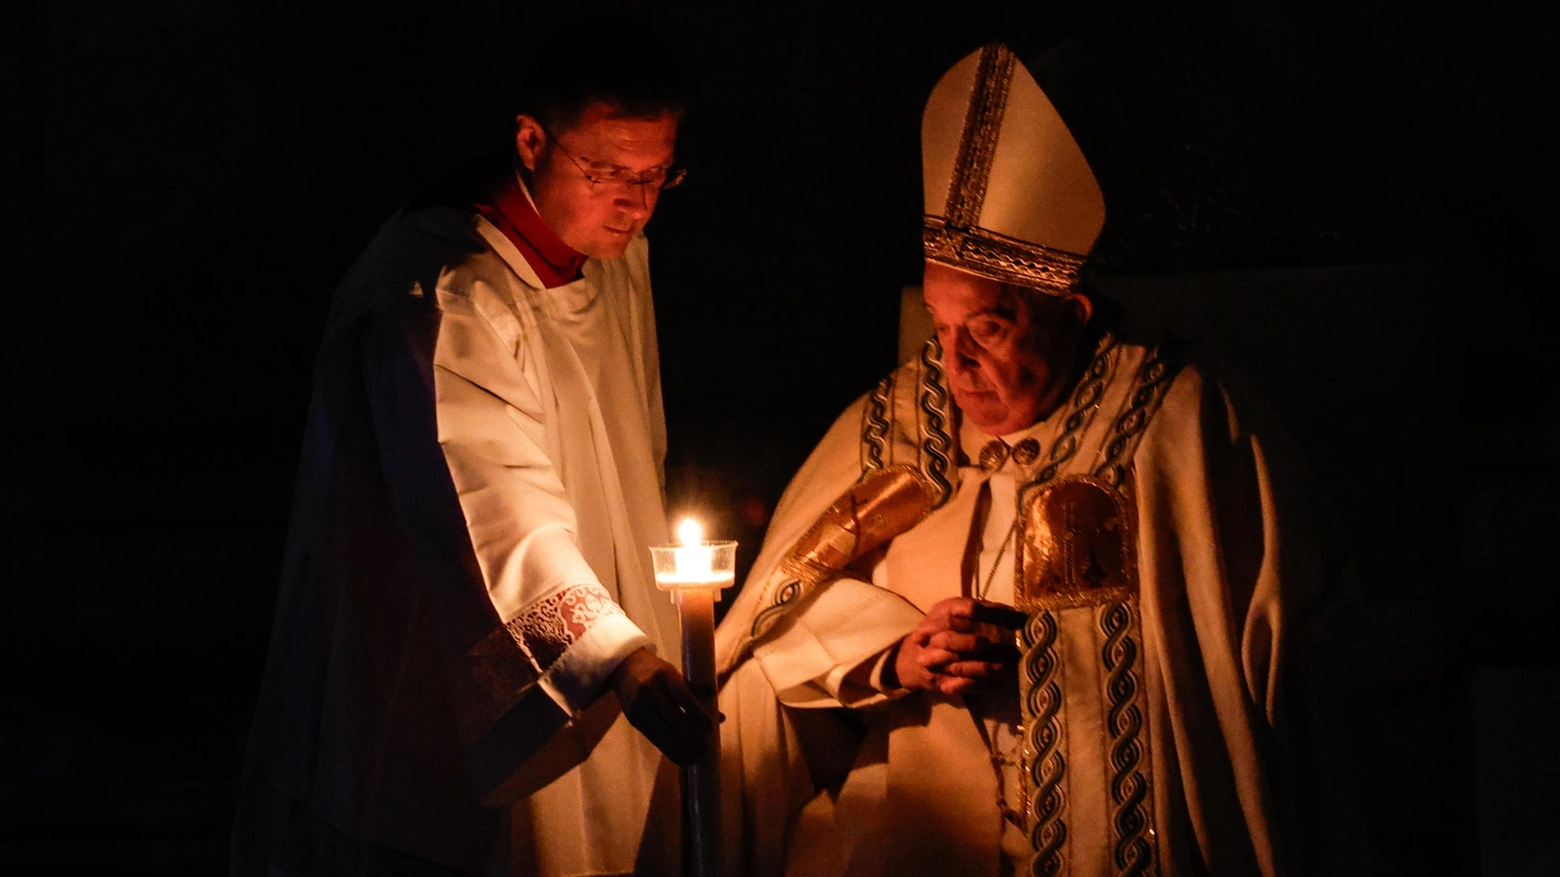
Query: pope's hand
<point x="961" y="643"/>
<point x="657" y="701"/>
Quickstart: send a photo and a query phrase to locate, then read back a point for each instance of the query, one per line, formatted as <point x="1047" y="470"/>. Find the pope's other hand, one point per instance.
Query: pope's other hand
<point x="960" y="644"/>
<point x="657" y="701"/>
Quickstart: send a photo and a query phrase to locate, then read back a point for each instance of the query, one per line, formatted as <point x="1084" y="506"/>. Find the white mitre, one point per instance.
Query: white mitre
<point x="1009" y="194"/>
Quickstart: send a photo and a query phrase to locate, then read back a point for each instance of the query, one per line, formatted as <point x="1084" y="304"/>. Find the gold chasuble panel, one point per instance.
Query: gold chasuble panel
<point x="1078" y="545"/>
<point x="1086" y="751"/>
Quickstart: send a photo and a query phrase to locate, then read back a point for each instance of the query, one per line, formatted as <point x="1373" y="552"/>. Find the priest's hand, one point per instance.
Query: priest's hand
<point x="657" y="701"/>
<point x="959" y="645"/>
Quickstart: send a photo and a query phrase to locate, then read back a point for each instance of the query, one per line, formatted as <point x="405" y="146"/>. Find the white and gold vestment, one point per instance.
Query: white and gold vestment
<point x="1172" y="557"/>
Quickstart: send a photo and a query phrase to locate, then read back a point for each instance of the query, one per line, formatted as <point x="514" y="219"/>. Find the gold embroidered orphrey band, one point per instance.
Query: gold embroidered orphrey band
<point x="1079" y="550"/>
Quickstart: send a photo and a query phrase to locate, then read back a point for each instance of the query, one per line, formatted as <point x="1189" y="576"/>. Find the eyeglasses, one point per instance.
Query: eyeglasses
<point x="658" y="180"/>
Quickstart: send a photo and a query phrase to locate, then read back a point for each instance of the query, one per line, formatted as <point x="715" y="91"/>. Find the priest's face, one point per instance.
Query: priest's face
<point x="1009" y="352"/>
<point x="596" y="182"/>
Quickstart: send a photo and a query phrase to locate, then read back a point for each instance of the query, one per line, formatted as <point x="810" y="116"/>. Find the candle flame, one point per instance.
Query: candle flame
<point x="689" y="532"/>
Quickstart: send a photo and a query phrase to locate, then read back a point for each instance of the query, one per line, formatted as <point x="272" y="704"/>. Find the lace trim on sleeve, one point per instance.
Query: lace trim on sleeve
<point x="547" y="628"/>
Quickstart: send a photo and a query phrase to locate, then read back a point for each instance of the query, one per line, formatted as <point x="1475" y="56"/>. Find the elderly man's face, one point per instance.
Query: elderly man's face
<point x="1008" y="353"/>
<point x="628" y="157"/>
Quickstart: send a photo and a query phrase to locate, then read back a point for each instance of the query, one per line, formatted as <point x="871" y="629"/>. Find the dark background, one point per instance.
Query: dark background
<point x="1353" y="202"/>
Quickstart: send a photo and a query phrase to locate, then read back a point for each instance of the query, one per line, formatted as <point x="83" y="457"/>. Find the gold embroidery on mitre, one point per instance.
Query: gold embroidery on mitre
<point x="978" y="141"/>
<point x="1078" y="545"/>
<point x="1001" y="258"/>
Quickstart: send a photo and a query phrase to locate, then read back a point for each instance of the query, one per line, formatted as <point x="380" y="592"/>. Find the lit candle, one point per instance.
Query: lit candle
<point x="694" y="572"/>
<point x="694" y="564"/>
<point x="695" y="560"/>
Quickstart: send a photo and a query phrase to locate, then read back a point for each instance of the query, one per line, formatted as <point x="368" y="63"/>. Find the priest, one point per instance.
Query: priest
<point x="466" y="612"/>
<point x="1043" y="601"/>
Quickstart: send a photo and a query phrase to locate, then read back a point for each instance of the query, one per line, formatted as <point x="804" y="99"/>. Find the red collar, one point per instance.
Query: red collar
<point x="508" y="208"/>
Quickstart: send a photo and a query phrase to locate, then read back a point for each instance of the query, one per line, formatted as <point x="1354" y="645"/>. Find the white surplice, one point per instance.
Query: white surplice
<point x="588" y="348"/>
<point x="468" y="561"/>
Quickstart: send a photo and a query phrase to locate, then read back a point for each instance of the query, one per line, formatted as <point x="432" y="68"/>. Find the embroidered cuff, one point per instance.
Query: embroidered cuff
<point x="575" y="638"/>
<point x="575" y="681"/>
